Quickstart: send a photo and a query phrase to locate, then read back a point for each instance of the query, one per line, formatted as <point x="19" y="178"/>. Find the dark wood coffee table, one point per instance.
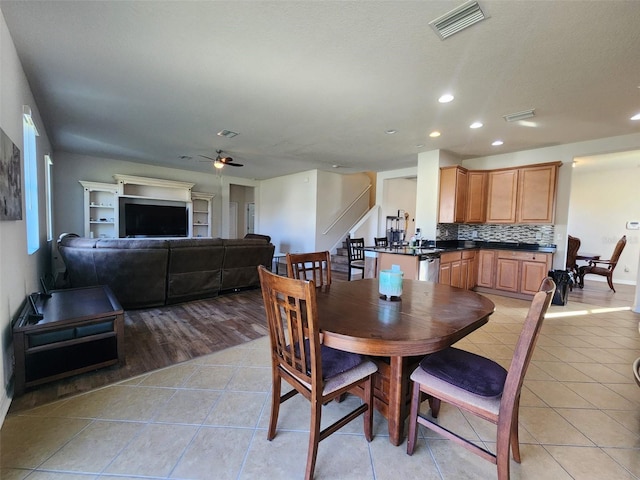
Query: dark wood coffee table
<point x="73" y="331"/>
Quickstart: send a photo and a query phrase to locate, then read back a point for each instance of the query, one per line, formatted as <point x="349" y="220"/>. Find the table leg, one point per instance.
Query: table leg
<point x="397" y="396"/>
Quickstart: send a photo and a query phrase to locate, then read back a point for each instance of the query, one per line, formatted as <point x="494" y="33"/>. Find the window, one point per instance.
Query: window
<point x="30" y="181"/>
<point x="48" y="165"/>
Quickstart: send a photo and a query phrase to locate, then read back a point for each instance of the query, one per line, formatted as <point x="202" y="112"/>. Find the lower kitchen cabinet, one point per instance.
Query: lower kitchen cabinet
<point x="521" y="272"/>
<point x="486" y="268"/>
<point x="458" y="269"/>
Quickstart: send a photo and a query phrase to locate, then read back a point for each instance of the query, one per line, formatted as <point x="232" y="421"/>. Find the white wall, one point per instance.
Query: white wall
<point x="343" y="198"/>
<point x="288" y="211"/>
<point x="598" y="216"/>
<point x="298" y="210"/>
<point x="19" y="272"/>
<point x="71" y="168"/>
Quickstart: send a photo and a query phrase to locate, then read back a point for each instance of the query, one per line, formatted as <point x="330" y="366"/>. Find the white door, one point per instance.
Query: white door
<point x="233" y="219"/>
<point x="250" y="217"/>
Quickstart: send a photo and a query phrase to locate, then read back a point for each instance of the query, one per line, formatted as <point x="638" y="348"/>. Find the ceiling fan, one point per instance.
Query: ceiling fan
<point x="221" y="161"/>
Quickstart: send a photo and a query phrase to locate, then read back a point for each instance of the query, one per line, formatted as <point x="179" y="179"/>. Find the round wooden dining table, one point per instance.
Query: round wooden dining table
<point x="397" y="333"/>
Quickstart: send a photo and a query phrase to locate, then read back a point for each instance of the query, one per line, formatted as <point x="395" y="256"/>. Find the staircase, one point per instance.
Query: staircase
<point x="340" y="260"/>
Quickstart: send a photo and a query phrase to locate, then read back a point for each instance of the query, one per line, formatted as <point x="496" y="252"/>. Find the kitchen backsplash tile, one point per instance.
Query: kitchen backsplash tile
<point x="540" y="234"/>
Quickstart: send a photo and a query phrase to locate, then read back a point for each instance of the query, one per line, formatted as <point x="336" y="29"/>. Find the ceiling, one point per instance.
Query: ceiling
<point x="313" y="84"/>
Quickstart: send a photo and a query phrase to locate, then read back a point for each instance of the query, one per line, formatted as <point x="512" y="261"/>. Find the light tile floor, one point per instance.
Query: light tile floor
<point x="207" y="418"/>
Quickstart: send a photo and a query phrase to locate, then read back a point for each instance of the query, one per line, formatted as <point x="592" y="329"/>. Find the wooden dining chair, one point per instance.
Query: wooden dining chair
<point x="636" y="370"/>
<point x="573" y="245"/>
<point x="319" y="373"/>
<point x="380" y="241"/>
<point x="355" y="252"/>
<point x="479" y="386"/>
<point x="314" y="266"/>
<point x="604" y="267"/>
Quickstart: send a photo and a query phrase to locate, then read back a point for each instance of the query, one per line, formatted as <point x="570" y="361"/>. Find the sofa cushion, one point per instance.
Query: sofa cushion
<point x="195" y="269"/>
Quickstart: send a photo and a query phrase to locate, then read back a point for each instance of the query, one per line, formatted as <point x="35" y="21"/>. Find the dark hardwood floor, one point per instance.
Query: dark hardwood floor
<point x="163" y="336"/>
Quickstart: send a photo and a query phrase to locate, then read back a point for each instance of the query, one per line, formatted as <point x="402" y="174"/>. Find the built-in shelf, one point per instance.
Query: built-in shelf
<point x="201" y="214"/>
<point x="102" y="201"/>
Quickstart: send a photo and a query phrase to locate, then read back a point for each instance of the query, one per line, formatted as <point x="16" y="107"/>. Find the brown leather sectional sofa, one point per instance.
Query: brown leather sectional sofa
<point x="151" y="272"/>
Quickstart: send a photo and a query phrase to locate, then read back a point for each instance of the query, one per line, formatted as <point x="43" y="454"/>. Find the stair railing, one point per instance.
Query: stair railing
<point x="347" y="209"/>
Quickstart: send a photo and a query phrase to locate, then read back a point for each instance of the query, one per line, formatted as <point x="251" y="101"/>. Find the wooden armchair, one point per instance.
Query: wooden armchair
<point x="604" y="267"/>
<point x="573" y="245"/>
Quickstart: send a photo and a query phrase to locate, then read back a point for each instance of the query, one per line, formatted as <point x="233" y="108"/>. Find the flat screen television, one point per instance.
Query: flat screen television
<point x="142" y="220"/>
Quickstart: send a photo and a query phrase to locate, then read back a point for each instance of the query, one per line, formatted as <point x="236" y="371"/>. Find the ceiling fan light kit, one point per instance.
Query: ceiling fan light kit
<point x="221" y="161"/>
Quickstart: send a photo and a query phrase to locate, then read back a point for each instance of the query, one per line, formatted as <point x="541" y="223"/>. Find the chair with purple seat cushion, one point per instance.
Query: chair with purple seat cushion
<point x="316" y="371"/>
<point x="479" y="386"/>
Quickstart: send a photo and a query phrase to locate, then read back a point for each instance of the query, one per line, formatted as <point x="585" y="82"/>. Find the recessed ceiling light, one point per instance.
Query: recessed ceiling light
<point x="636" y="117"/>
<point x="390" y="132"/>
<point x="475" y="125"/>
<point x="497" y="143"/>
<point x="446" y="98"/>
<point x="434" y="134"/>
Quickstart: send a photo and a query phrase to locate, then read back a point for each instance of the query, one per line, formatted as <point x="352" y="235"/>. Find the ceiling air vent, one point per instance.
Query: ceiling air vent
<point x="458" y="19"/>
<point x="227" y="133"/>
<point x="516" y="117"/>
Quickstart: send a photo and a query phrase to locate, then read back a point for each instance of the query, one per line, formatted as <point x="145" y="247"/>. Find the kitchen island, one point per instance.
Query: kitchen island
<point x="416" y="263"/>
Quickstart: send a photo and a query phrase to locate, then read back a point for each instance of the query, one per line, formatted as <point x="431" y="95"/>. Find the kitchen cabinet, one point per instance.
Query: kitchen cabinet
<point x="537" y="194"/>
<point x="458" y="269"/>
<point x="522" y="195"/>
<point x="486" y="268"/>
<point x="502" y="196"/>
<point x="476" y="211"/>
<point x="469" y="269"/>
<point x="453" y="195"/>
<point x="521" y="272"/>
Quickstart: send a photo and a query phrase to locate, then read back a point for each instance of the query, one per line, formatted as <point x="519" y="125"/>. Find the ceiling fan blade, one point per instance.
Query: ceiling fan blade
<point x="229" y="161"/>
<point x="208" y="158"/>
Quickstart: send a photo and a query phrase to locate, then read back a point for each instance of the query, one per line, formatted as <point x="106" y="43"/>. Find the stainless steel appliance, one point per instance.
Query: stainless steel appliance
<point x="429" y="269"/>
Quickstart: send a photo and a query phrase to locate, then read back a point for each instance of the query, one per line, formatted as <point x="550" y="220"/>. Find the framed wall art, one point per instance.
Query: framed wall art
<point x="10" y="179"/>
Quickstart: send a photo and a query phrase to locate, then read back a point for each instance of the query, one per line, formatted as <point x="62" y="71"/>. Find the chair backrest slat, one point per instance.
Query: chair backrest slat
<point x="355" y="248"/>
<point x="291" y="312"/>
<point x="314" y="266"/>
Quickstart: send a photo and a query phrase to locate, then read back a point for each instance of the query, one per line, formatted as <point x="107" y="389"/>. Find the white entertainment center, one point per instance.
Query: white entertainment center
<point x="103" y="203"/>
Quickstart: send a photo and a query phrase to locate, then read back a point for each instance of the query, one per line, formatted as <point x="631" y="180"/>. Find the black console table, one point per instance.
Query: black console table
<point x="67" y="332"/>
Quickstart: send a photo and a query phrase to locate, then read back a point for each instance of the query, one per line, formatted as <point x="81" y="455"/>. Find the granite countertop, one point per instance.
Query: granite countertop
<point x="436" y="247"/>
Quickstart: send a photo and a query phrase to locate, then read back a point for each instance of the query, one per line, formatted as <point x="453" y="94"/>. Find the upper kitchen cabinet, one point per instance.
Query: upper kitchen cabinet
<point x="522" y="195"/>
<point x="476" y="197"/>
<point x="537" y="193"/>
<point x="502" y="196"/>
<point x="453" y="194"/>
<point x="525" y="194"/>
